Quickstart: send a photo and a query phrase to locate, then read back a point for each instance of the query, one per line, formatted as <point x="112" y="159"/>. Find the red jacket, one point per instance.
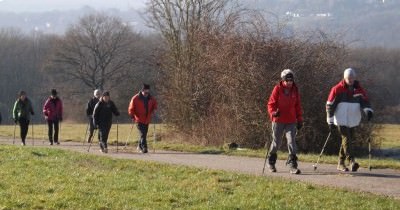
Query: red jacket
<point x="53" y="109"/>
<point x="289" y="106"/>
<point x="137" y="109"/>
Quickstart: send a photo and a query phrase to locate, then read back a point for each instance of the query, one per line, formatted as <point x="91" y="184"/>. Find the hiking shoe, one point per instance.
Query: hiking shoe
<point x="292" y="162"/>
<point x="51" y="143"/>
<point x="105" y="150"/>
<point x="145" y="150"/>
<point x="271" y="168"/>
<point x="294" y="171"/>
<point x="58" y="143"/>
<point x="342" y="168"/>
<point x="354" y="166"/>
<point x="23" y="144"/>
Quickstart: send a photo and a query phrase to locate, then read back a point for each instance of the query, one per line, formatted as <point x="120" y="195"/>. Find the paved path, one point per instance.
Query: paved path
<point x="378" y="181"/>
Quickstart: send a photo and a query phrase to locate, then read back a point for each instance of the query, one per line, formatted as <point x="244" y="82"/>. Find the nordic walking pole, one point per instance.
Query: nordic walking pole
<point x="117" y="134"/>
<point x="369" y="151"/>
<point x="87" y="128"/>
<point x="322" y="151"/>
<point x="154" y="142"/>
<point x="15" y="128"/>
<point x="129" y="135"/>
<point x="33" y="135"/>
<point x="91" y="141"/>
<point x="266" y="156"/>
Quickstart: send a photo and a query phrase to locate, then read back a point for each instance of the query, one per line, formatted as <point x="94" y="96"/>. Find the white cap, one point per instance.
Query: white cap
<point x="97" y="93"/>
<point x="286" y="72"/>
<point x="349" y="72"/>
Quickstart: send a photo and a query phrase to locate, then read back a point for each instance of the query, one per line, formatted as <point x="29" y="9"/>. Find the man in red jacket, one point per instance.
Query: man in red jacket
<point x="141" y="108"/>
<point x="344" y="105"/>
<point x="284" y="109"/>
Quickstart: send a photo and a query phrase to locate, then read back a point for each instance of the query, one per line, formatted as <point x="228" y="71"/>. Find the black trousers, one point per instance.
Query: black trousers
<point x="24" y="126"/>
<point x="51" y="124"/>
<point x="143" y="129"/>
<point x="104" y="130"/>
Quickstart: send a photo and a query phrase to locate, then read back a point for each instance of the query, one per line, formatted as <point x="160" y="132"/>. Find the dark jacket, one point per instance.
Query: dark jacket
<point x="102" y="114"/>
<point x="90" y="106"/>
<point x="138" y="109"/>
<point x="53" y="109"/>
<point x="344" y="105"/>
<point x="22" y="109"/>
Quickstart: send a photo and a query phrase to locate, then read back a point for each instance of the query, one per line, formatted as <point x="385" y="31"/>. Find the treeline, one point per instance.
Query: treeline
<point x="212" y="66"/>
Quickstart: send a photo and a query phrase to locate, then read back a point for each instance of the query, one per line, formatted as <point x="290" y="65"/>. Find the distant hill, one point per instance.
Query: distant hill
<point x="366" y="23"/>
<point x="58" y="21"/>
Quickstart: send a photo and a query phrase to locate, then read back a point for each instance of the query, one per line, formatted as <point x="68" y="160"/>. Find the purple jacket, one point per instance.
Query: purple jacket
<point x="53" y="109"/>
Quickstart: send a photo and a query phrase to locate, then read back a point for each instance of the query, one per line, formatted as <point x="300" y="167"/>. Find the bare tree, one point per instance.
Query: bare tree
<point x="97" y="51"/>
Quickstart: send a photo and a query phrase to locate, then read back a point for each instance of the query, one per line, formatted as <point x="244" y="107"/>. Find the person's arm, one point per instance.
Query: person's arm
<point x="89" y="108"/>
<point x="45" y="108"/>
<point x="131" y="108"/>
<point x="31" y="108"/>
<point x="114" y="109"/>
<point x="272" y="105"/>
<point x="331" y="106"/>
<point x="96" y="114"/>
<point x="15" y="111"/>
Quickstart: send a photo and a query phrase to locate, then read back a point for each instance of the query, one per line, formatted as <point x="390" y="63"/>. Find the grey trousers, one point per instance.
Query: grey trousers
<point x="278" y="129"/>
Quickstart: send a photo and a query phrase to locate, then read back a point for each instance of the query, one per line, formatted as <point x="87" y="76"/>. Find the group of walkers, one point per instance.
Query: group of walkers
<point x="99" y="111"/>
<point x="344" y="107"/>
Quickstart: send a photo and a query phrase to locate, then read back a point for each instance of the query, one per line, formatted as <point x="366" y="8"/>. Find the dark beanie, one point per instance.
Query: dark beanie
<point x="53" y="92"/>
<point x="22" y="93"/>
<point x="146" y="87"/>
<point x="106" y="93"/>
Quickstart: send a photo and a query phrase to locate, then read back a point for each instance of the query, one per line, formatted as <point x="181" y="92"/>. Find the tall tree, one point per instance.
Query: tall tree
<point x="97" y="51"/>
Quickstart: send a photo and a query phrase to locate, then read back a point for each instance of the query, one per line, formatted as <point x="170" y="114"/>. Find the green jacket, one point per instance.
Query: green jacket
<point x="22" y="109"/>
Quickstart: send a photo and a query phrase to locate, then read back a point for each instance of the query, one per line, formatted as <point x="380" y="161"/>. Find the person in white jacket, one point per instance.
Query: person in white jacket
<point x="344" y="107"/>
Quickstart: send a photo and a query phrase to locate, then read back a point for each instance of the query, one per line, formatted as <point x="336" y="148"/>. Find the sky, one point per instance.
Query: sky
<point x="19" y="6"/>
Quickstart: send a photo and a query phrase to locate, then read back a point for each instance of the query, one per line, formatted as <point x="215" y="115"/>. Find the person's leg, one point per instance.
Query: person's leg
<point x="50" y="131"/>
<point x="56" y="128"/>
<point x="344" y="147"/>
<point x="353" y="164"/>
<point x="143" y="129"/>
<point x="290" y="131"/>
<point x="91" y="129"/>
<point x="277" y="132"/>
<point x="24" y="125"/>
<point x="107" y="129"/>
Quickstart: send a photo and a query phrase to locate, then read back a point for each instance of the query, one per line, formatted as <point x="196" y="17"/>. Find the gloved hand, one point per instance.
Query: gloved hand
<point x="299" y="125"/>
<point x="15" y="121"/>
<point x="331" y="127"/>
<point x="369" y="115"/>
<point x="32" y="113"/>
<point x="276" y="113"/>
<point x="61" y="119"/>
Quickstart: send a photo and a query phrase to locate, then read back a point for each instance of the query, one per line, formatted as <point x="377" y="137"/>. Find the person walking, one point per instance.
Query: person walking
<point x="285" y="112"/>
<point x="53" y="113"/>
<point x="343" y="108"/>
<point x="89" y="112"/>
<point x="102" y="119"/>
<point x="141" y="108"/>
<point x="22" y="112"/>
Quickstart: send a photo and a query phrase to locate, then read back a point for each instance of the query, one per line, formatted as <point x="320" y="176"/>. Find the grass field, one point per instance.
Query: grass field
<point x="40" y="178"/>
<point x="390" y="135"/>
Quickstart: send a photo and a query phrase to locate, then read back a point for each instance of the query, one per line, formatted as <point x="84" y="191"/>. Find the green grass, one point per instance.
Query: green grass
<point x="76" y="132"/>
<point x="390" y="135"/>
<point x="40" y="178"/>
